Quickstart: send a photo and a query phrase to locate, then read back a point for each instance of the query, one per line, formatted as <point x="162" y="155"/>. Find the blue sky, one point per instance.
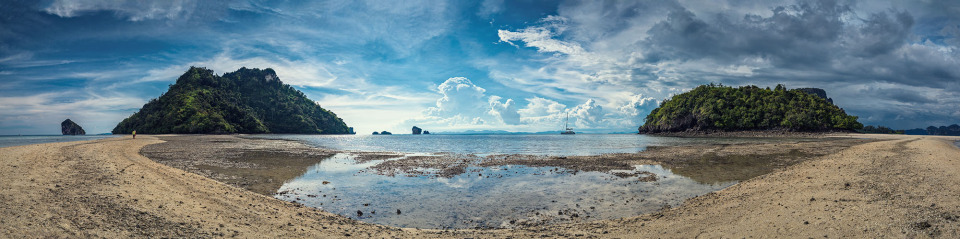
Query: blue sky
<point x="480" y="65"/>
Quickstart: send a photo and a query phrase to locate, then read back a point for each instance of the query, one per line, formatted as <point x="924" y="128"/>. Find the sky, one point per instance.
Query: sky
<point x="448" y="66"/>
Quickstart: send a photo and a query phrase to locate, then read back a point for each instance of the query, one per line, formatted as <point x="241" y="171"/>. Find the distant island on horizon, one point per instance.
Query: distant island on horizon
<point x="245" y="101"/>
<point x="504" y="132"/>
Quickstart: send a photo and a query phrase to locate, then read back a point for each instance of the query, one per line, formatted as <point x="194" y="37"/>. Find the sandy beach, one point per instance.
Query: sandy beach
<point x="893" y="186"/>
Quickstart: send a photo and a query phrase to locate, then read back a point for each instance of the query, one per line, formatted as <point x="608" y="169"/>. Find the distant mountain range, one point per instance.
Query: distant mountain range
<point x="952" y="130"/>
<point x="504" y="132"/>
<point x="485" y="132"/>
<point x="244" y="101"/>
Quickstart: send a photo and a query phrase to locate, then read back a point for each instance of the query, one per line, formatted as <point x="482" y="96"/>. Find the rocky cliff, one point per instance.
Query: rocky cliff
<point x="817" y="92"/>
<point x="68" y="127"/>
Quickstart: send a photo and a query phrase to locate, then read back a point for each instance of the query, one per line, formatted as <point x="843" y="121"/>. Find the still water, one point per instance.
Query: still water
<point x="486" y="197"/>
<point x="15" y="140"/>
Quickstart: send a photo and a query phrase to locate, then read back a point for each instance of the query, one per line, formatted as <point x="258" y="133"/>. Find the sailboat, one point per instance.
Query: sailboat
<point x="565" y="125"/>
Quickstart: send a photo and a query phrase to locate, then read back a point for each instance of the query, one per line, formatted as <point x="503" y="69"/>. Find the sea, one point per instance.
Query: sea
<point x="16" y="140"/>
<point x="482" y="145"/>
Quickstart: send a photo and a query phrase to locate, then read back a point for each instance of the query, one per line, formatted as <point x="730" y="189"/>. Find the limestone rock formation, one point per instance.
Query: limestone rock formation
<point x="247" y="101"/>
<point x="817" y="92"/>
<point x="68" y="127"/>
<point x="417" y="130"/>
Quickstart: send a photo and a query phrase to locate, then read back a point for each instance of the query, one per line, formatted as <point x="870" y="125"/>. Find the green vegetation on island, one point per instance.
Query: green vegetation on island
<point x="245" y="101"/>
<point x="880" y="129"/>
<point x="724" y="108"/>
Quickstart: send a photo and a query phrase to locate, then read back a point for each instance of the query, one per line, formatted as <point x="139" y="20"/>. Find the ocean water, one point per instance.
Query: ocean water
<point x="534" y="144"/>
<point x="15" y="140"/>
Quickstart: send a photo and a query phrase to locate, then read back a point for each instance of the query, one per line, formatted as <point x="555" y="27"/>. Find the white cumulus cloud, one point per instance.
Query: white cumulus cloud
<point x="506" y="111"/>
<point x="460" y="97"/>
<point x="588" y="115"/>
<point x="465" y="106"/>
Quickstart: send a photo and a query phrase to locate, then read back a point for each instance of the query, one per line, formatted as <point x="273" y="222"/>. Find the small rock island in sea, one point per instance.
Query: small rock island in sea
<point x="68" y="127"/>
<point x="712" y="108"/>
<point x="418" y="130"/>
<point x="244" y="101"/>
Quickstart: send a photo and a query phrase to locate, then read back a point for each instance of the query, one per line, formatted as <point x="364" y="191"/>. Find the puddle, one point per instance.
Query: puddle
<point x="488" y="197"/>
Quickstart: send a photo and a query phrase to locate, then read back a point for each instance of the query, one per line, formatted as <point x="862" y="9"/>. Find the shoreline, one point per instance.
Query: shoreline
<point x="262" y="165"/>
<point x="901" y="186"/>
<point x="749" y="134"/>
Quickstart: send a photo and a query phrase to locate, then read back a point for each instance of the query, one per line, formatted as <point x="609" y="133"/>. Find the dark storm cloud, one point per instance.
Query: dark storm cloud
<point x="883" y="33"/>
<point x="900" y="95"/>
<point x="595" y="18"/>
<point x="823" y="43"/>
<point x="796" y="36"/>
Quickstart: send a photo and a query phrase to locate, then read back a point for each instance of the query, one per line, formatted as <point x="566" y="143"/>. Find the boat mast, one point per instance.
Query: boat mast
<point x="565" y="126"/>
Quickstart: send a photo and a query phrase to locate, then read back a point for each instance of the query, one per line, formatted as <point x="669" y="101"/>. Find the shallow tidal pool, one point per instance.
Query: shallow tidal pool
<point x="487" y="197"/>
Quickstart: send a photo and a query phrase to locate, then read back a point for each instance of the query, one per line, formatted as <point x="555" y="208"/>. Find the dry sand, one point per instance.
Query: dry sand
<point x="906" y="186"/>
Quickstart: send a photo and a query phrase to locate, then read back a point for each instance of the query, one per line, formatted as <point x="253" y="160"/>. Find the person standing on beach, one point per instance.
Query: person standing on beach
<point x="134" y="134"/>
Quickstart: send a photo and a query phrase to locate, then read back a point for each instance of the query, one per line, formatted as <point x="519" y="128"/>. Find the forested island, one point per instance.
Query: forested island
<point x="245" y="101"/>
<point x="952" y="130"/>
<point x="723" y="108"/>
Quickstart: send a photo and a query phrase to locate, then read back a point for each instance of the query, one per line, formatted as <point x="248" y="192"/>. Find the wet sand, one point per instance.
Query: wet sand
<point x="710" y="163"/>
<point x="261" y="166"/>
<point x="903" y="186"/>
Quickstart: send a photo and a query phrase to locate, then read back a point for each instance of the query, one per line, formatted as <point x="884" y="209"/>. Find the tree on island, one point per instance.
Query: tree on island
<point x="724" y="108"/>
<point x="870" y="129"/>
